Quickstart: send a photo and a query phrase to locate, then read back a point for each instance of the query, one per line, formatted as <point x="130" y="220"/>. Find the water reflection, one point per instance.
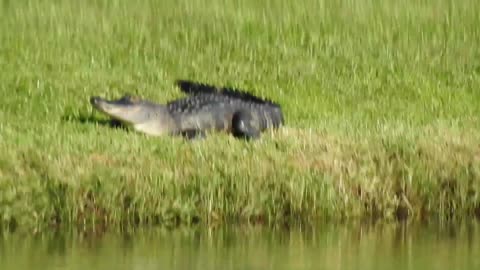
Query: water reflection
<point x="325" y="247"/>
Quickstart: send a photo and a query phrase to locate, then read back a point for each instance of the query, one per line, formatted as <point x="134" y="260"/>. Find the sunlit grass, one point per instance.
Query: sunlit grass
<point x="381" y="101"/>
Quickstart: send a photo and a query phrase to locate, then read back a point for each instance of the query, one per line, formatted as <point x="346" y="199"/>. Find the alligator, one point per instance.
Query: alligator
<point x="205" y="108"/>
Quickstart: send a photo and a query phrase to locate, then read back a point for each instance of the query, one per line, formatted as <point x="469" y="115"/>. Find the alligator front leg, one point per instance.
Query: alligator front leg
<point x="193" y="134"/>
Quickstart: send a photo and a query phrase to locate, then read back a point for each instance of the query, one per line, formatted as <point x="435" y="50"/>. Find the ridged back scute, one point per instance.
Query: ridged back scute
<point x="196" y="88"/>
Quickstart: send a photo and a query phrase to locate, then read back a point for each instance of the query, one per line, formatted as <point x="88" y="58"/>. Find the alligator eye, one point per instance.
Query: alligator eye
<point x="134" y="99"/>
<point x="125" y="98"/>
<point x="130" y="99"/>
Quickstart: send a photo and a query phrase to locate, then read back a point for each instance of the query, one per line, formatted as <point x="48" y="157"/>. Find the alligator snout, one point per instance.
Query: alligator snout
<point x="95" y="100"/>
<point x="99" y="103"/>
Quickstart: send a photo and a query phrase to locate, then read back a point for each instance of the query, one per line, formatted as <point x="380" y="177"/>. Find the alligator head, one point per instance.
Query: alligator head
<point x="143" y="115"/>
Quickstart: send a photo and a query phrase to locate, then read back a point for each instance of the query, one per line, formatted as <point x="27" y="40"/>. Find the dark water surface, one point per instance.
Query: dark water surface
<point x="324" y="247"/>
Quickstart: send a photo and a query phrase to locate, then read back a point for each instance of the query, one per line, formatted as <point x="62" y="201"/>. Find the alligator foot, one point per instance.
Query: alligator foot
<point x="243" y="125"/>
<point x="193" y="134"/>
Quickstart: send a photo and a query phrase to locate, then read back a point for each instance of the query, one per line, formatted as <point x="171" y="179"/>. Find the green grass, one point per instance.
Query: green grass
<point x="381" y="100"/>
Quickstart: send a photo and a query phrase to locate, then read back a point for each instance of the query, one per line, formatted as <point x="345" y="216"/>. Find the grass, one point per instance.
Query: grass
<point x="381" y="100"/>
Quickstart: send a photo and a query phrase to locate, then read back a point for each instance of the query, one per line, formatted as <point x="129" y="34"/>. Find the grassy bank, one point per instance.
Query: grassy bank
<point x="381" y="100"/>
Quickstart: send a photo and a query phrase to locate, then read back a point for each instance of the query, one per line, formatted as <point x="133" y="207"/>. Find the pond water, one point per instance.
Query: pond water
<point x="323" y="247"/>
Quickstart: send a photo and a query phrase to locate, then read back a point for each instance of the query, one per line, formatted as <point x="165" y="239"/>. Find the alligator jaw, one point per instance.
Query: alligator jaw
<point x="123" y="109"/>
<point x="100" y="104"/>
<point x="144" y="116"/>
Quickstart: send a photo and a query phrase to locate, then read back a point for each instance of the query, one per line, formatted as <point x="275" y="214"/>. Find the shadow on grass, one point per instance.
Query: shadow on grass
<point x="91" y="120"/>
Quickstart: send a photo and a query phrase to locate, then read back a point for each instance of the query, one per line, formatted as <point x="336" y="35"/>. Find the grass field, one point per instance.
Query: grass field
<point x="381" y="102"/>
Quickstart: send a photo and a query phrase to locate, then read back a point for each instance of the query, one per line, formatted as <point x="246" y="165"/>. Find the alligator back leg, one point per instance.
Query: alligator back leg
<point x="246" y="125"/>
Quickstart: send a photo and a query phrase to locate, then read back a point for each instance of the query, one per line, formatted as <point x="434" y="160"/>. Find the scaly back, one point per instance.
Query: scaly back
<point x="195" y="88"/>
